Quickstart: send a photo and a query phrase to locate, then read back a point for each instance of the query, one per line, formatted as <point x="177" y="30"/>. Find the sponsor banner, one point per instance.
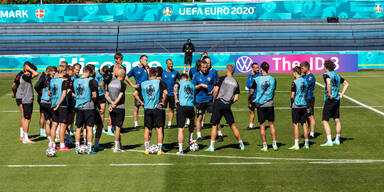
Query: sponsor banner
<point x="116" y="12"/>
<point x="285" y="63"/>
<point x="14" y="63"/>
<point x="348" y="61"/>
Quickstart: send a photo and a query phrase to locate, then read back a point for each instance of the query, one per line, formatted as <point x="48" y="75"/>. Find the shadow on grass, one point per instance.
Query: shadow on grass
<point x="130" y="129"/>
<point x="170" y="146"/>
<point x="251" y="129"/>
<point x="39" y="139"/>
<point x="316" y="135"/>
<point x="343" y="139"/>
<point x="108" y="145"/>
<point x="128" y="147"/>
<point x="208" y="137"/>
<point x="234" y="146"/>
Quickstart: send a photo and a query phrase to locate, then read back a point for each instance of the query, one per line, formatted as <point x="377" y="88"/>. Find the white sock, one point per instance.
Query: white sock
<point x="21" y="132"/>
<point x="191" y="136"/>
<point x="77" y="145"/>
<point x="180" y="147"/>
<point x="202" y="124"/>
<point x="251" y="125"/>
<point x="97" y="141"/>
<point x="212" y="144"/>
<point x="198" y="134"/>
<point x="117" y="144"/>
<point x="188" y="122"/>
<point x="89" y="145"/>
<point x="337" y="137"/>
<point x="62" y="145"/>
<point x="49" y="139"/>
<point x="146" y="144"/>
<point x="160" y="145"/>
<point x="265" y="145"/>
<point x="220" y="133"/>
<point x="274" y="143"/>
<point x="312" y="134"/>
<point x="306" y="142"/>
<point x="42" y="130"/>
<point x="58" y="130"/>
<point x="26" y="136"/>
<point x="169" y="123"/>
<point x="53" y="144"/>
<point x="329" y="138"/>
<point x="109" y="128"/>
<point x="241" y="143"/>
<point x="136" y="124"/>
<point x="296" y="142"/>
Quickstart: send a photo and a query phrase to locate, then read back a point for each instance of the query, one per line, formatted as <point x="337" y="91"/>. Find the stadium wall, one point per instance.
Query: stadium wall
<point x="281" y="62"/>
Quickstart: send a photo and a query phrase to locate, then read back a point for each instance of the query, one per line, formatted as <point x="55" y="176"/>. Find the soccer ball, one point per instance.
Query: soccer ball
<point x="153" y="149"/>
<point x="50" y="152"/>
<point x="193" y="146"/>
<point x="83" y="149"/>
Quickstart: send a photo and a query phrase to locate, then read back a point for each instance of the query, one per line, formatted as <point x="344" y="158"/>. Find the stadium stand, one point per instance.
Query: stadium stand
<point x="212" y="36"/>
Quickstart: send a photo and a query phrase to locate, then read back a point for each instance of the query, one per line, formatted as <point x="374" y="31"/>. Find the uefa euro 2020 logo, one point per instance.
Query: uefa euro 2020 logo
<point x="378" y="8"/>
<point x="167" y="11"/>
<point x="244" y="64"/>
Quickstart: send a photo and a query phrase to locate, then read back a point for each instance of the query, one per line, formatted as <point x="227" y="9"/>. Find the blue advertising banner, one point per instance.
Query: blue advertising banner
<point x="115" y="12"/>
<point x="347" y="60"/>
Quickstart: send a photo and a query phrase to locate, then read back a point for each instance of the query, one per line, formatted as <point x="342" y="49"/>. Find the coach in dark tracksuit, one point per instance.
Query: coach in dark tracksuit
<point x="188" y="49"/>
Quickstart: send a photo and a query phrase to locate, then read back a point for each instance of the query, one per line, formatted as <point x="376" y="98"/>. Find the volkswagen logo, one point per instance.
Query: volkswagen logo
<point x="244" y="64"/>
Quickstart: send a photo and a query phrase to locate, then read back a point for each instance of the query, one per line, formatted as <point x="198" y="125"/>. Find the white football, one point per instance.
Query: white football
<point x="193" y="146"/>
<point x="83" y="149"/>
<point x="153" y="149"/>
<point x="50" y="152"/>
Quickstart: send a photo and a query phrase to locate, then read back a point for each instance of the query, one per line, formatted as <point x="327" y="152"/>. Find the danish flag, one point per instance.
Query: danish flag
<point x="39" y="13"/>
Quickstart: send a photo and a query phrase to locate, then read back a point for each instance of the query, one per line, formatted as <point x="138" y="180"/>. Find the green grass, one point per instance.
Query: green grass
<point x="362" y="135"/>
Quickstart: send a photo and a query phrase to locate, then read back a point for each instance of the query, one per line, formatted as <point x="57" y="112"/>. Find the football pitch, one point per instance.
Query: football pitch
<point x="355" y="165"/>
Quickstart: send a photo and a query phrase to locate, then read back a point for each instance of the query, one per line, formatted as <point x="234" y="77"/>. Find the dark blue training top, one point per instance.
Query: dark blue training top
<point x="250" y="81"/>
<point x="311" y="81"/>
<point x="202" y="95"/>
<point x="192" y="72"/>
<point x="170" y="79"/>
<point x="139" y="73"/>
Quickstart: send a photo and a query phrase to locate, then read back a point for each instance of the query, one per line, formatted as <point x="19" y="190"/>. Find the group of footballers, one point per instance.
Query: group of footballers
<point x="63" y="94"/>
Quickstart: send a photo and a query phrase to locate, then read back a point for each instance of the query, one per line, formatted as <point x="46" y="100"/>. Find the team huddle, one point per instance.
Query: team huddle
<point x="74" y="105"/>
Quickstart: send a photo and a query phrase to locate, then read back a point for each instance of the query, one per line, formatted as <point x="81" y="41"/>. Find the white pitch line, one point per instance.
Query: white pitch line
<point x="357" y="102"/>
<point x="37" y="165"/>
<point x="142" y="164"/>
<point x="270" y="158"/>
<point x="340" y="162"/>
<point x="242" y="163"/>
